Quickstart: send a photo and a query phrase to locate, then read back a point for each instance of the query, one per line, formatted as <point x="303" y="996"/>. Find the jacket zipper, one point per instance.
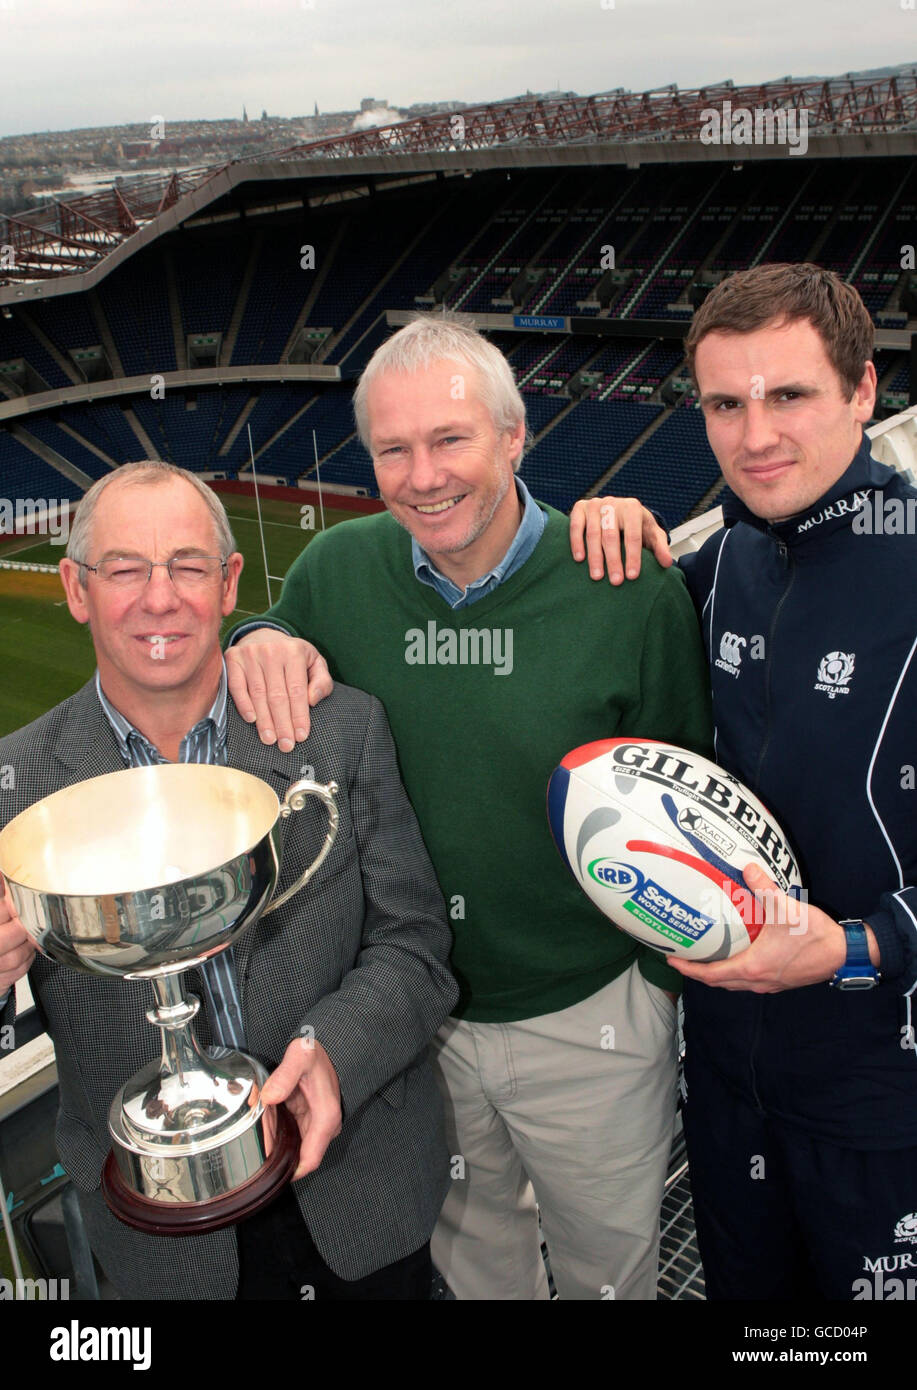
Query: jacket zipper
<point x="784" y="555"/>
<point x="759" y="1010"/>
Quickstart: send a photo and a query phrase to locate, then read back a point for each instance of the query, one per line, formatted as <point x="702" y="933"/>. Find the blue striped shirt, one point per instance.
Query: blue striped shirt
<point x="205" y="743"/>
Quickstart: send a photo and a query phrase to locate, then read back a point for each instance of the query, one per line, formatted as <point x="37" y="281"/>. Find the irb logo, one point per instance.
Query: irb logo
<point x="612" y="874"/>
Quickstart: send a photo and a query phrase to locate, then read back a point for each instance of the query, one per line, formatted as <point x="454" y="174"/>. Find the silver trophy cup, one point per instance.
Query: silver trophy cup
<point x="143" y="874"/>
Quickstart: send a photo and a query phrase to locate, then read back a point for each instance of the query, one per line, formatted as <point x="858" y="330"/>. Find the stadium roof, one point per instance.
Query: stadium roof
<point x="844" y="116"/>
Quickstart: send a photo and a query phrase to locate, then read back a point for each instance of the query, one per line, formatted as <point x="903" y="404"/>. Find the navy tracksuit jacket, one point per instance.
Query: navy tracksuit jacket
<point x="811" y="630"/>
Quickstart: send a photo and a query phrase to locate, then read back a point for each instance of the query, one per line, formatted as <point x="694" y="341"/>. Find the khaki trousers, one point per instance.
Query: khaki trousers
<point x="575" y="1111"/>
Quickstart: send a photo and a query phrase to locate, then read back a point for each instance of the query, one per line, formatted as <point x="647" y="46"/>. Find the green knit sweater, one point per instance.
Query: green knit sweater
<point x="483" y="704"/>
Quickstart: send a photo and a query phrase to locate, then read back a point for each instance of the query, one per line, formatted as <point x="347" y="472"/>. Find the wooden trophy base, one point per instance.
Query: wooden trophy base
<point x="197" y="1218"/>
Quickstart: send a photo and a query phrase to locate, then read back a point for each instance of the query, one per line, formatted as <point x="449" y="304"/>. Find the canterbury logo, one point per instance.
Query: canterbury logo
<point x="731" y="648"/>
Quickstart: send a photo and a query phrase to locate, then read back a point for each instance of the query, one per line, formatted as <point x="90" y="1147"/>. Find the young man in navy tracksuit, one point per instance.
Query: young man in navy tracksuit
<point x="801" y="1064"/>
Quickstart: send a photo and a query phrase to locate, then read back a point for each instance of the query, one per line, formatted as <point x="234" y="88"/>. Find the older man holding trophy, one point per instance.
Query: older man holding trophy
<point x="284" y="920"/>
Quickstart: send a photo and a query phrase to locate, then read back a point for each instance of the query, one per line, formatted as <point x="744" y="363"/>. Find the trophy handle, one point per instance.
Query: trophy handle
<point x="294" y="800"/>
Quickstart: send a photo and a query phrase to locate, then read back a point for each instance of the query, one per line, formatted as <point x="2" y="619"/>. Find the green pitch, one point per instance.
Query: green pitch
<point x="48" y="656"/>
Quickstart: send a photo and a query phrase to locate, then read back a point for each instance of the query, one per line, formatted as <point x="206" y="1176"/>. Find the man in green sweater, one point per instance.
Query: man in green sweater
<point x="461" y="609"/>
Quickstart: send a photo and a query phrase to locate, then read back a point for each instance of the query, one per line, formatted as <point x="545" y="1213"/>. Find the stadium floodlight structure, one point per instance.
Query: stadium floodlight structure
<point x="834" y="105"/>
<point x="70" y="235"/>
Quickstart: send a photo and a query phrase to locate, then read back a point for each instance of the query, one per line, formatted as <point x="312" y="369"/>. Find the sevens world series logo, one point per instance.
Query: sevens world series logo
<point x="834" y="673"/>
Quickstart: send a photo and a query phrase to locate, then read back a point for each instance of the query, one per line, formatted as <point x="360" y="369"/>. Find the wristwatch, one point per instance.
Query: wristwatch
<point x="858" y="971"/>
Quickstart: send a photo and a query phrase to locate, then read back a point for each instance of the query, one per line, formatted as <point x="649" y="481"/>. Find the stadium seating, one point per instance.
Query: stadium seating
<point x="208" y="283"/>
<point x="135" y="302"/>
<point x="104" y="424"/>
<point x="50" y="433"/>
<point x="351" y="465"/>
<point x="67" y="320"/>
<point x="581" y="447"/>
<point x="24" y="474"/>
<point x="331" y="420"/>
<point x="275" y="405"/>
<point x="544" y="233"/>
<point x="278" y="291"/>
<point x="17" y="341"/>
<point x="540" y="410"/>
<point x="672" y="470"/>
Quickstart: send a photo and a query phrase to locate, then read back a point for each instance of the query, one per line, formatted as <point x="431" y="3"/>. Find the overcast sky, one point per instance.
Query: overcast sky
<point x="69" y="63"/>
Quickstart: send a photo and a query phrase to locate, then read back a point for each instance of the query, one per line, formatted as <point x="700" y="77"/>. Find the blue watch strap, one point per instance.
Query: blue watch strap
<point x="858" y="971"/>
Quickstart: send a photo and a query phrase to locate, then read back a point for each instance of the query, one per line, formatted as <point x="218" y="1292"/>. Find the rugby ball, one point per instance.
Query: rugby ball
<point x="658" y="837"/>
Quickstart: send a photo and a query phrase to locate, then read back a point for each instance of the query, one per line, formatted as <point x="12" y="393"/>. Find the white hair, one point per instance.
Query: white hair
<point x="444" y="337"/>
<point x="149" y="471"/>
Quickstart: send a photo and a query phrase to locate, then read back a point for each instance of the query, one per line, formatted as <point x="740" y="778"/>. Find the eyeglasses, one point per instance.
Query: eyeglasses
<point x="133" y="571"/>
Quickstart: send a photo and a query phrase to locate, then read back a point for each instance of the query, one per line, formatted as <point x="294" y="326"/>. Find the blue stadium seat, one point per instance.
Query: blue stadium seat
<point x="24" y="474"/>
<point x="673" y="470"/>
<point x="583" y="446"/>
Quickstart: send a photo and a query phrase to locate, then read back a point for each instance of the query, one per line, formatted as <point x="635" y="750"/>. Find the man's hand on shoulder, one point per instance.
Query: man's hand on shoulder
<point x="307" y="1083"/>
<point x="597" y="526"/>
<point x="17" y="950"/>
<point x="797" y="945"/>
<point x="274" y="679"/>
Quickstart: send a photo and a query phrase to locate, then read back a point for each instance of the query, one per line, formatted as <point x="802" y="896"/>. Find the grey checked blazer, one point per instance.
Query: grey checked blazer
<point x="359" y="954"/>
